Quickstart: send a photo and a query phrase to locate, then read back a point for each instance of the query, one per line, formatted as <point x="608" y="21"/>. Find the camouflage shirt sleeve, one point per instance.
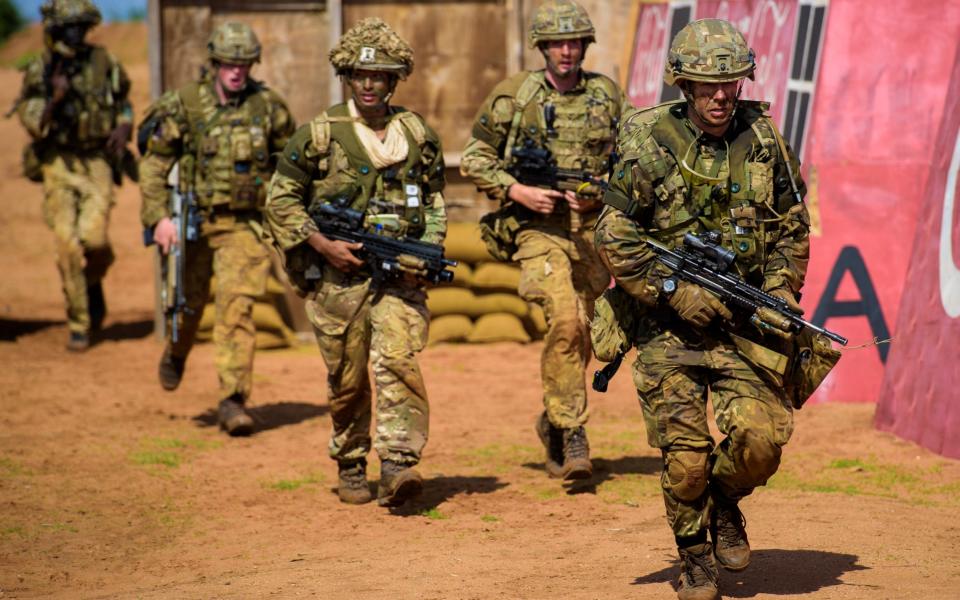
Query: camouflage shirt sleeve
<point x="283" y="125"/>
<point x="435" y="212"/>
<point x="164" y="148"/>
<point x="33" y="100"/>
<point x="122" y="91"/>
<point x="285" y="212"/>
<point x="786" y="265"/>
<point x="481" y="160"/>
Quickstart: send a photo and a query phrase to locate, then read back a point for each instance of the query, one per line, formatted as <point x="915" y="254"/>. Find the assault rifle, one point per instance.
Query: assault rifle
<point x="388" y="257"/>
<point x="706" y="263"/>
<point x="536" y="166"/>
<point x="186" y="220"/>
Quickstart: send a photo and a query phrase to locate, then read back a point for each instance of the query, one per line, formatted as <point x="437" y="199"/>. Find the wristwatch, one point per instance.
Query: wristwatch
<point x="669" y="286"/>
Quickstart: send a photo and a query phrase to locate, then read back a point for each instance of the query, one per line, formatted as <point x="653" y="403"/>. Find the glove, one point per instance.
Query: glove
<point x="413" y="268"/>
<point x="696" y="305"/>
<point x="789" y="297"/>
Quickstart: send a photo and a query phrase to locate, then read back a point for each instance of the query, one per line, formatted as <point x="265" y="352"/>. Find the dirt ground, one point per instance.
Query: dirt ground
<point x="111" y="488"/>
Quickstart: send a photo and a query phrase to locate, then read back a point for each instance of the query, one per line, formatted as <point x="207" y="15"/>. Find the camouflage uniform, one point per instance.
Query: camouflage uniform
<point x="356" y="318"/>
<point x="738" y="185"/>
<point x="560" y="269"/>
<point x="70" y="147"/>
<point x="227" y="148"/>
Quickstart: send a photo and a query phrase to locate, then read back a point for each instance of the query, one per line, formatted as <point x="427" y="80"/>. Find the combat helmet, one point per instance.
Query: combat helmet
<point x="709" y="50"/>
<point x="560" y="20"/>
<point x="59" y="13"/>
<point x="234" y="43"/>
<point x="373" y="46"/>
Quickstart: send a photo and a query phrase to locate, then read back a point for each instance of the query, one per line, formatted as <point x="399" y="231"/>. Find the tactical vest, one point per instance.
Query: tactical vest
<point x="744" y="208"/>
<point x="231" y="148"/>
<point x="401" y="189"/>
<point x="89" y="112"/>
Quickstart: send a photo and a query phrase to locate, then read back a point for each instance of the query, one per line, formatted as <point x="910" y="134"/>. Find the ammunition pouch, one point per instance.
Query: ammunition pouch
<point x="814" y="357"/>
<point x="499" y="230"/>
<point x="32" y="163"/>
<point x="616" y="315"/>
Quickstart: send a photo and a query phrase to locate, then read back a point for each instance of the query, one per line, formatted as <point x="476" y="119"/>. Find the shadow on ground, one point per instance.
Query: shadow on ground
<point x="604" y="469"/>
<point x="777" y="572"/>
<point x="131" y="330"/>
<point x="438" y="490"/>
<point x="11" y="329"/>
<point x="270" y="416"/>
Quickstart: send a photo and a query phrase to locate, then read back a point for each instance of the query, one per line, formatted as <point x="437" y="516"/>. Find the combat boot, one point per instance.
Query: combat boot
<point x="171" y="370"/>
<point x="398" y="483"/>
<point x="233" y="417"/>
<point x="728" y="530"/>
<point x="698" y="573"/>
<point x="353" y="487"/>
<point x="78" y="341"/>
<point x="576" y="454"/>
<point x="96" y="305"/>
<point x="552" y="439"/>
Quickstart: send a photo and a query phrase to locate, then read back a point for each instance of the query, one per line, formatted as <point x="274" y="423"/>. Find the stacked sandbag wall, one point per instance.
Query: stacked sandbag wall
<point x="273" y="330"/>
<point x="481" y="304"/>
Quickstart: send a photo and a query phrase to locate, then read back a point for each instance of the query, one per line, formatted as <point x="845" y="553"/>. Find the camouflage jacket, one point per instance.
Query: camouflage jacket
<point x="738" y="185"/>
<point x="225" y="150"/>
<point x="324" y="162"/>
<point x="585" y="124"/>
<point x="94" y="105"/>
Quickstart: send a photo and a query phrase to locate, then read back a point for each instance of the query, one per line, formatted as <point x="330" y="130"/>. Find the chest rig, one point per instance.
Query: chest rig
<point x="89" y="112"/>
<point x="735" y="195"/>
<point x="394" y="196"/>
<point x="230" y="144"/>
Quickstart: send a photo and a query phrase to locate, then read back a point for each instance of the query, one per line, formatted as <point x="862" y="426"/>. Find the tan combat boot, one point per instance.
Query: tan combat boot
<point x="729" y="534"/>
<point x="78" y="341"/>
<point x="353" y="487"/>
<point x="552" y="440"/>
<point x="698" y="573"/>
<point x="233" y="417"/>
<point x="576" y="455"/>
<point x="398" y="483"/>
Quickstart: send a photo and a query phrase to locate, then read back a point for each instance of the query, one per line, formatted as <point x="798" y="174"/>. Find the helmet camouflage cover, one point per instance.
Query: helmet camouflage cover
<point x="234" y="43"/>
<point x="709" y="50"/>
<point x="57" y="13"/>
<point x="560" y="20"/>
<point x="372" y="45"/>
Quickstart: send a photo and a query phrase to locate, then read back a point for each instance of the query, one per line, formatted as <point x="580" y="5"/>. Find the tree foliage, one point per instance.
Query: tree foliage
<point x="10" y="19"/>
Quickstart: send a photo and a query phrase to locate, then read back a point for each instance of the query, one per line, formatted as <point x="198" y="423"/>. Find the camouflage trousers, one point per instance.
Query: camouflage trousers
<point x="673" y="376"/>
<point x="354" y="323"/>
<point x="562" y="273"/>
<point x="78" y="196"/>
<point x="231" y="253"/>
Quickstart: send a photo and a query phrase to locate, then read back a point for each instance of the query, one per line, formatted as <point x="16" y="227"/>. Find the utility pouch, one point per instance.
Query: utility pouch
<point x="814" y="358"/>
<point x="32" y="165"/>
<point x="613" y="328"/>
<point x="499" y="229"/>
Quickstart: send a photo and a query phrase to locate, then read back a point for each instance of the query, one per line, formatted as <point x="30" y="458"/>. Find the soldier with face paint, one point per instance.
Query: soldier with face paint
<point x="573" y="114"/>
<point x="711" y="162"/>
<point x="385" y="162"/>
<point x="222" y="132"/>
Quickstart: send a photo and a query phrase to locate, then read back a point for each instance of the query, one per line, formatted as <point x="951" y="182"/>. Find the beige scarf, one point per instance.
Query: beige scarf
<point x="391" y="150"/>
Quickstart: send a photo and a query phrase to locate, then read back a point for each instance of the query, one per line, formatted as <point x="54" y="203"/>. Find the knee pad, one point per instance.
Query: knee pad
<point x="687" y="474"/>
<point x="760" y="455"/>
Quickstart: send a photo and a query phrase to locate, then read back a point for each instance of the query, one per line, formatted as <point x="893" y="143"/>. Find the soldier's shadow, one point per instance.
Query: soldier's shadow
<point x="437" y="490"/>
<point x="605" y="469"/>
<point x="269" y="416"/>
<point x="11" y="329"/>
<point x="776" y="572"/>
<point x="129" y="330"/>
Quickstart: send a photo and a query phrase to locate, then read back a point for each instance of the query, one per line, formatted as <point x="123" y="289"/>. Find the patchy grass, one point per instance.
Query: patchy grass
<point x="489" y="519"/>
<point x="433" y="514"/>
<point x="169" y="453"/>
<point x="628" y="488"/>
<point x="289" y="485"/>
<point x="11" y="468"/>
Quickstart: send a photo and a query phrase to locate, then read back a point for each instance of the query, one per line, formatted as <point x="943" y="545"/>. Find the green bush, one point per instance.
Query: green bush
<point x="10" y="19"/>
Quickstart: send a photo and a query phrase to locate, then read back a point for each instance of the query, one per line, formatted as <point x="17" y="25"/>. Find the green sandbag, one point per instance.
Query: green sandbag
<point x="486" y="304"/>
<point x="449" y="328"/>
<point x="463" y="243"/>
<point x="498" y="327"/>
<point x="462" y="275"/>
<point x="496" y="276"/>
<point x="536" y="320"/>
<point x="451" y="301"/>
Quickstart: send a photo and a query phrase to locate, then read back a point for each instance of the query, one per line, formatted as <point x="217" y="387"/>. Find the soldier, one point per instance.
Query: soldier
<point x="221" y="131"/>
<point x="387" y="163"/>
<point x="74" y="105"/>
<point x="573" y="114"/>
<point x="709" y="162"/>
